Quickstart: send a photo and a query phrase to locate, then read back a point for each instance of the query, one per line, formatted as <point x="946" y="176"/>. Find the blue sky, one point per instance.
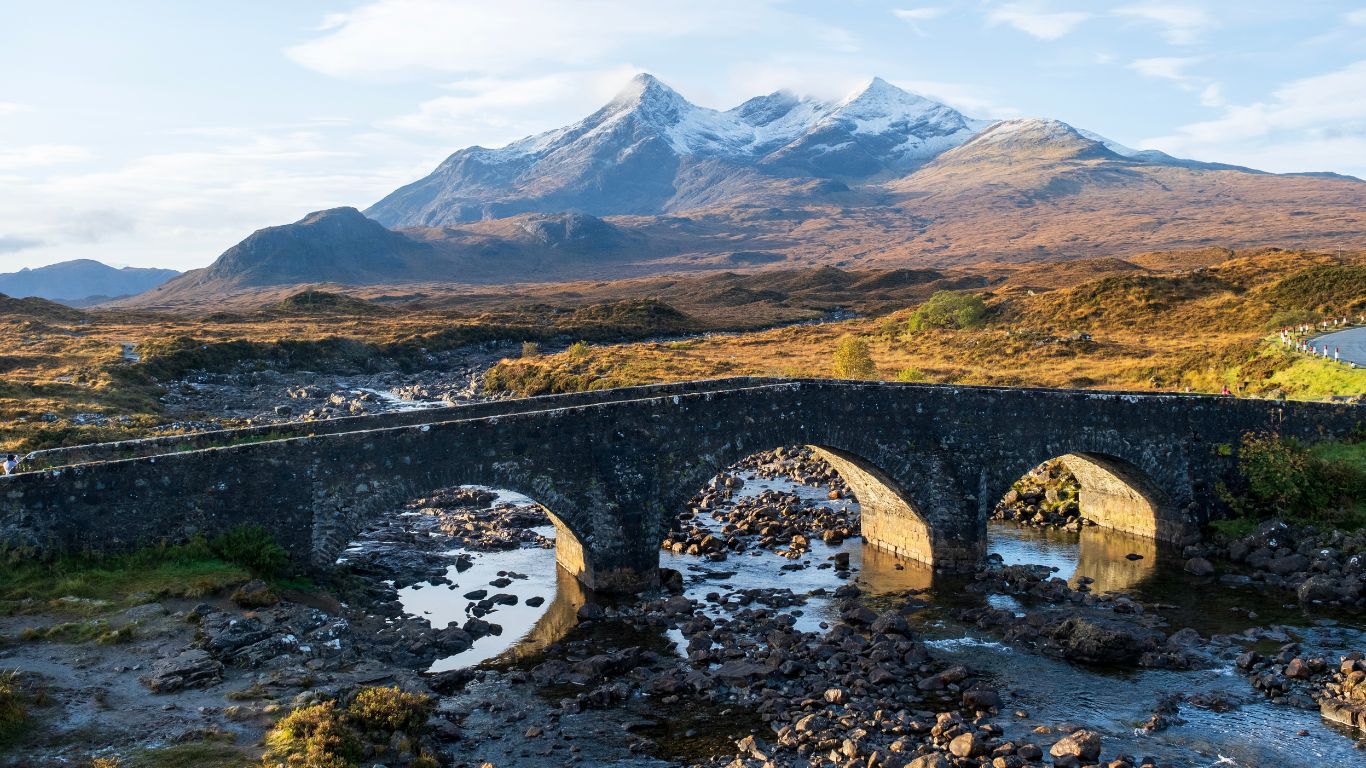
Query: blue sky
<point x="160" y="133"/>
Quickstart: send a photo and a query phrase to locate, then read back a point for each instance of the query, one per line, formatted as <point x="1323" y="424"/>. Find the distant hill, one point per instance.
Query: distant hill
<point x="81" y="281"/>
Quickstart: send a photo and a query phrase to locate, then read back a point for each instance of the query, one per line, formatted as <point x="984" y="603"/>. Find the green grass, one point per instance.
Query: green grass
<point x="1322" y="484"/>
<point x="188" y="570"/>
<point x="1352" y="454"/>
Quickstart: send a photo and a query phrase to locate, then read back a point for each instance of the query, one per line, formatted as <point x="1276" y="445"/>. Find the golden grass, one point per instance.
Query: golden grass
<point x="1200" y="330"/>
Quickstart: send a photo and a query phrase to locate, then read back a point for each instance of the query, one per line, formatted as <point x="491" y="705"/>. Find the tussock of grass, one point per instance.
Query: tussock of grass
<point x="327" y="734"/>
<point x="97" y="631"/>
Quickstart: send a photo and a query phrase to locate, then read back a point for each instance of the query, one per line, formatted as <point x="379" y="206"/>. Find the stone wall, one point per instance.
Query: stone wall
<point x="613" y="467"/>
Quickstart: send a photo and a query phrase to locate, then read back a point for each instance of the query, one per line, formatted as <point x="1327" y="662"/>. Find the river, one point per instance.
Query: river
<point x="1051" y="691"/>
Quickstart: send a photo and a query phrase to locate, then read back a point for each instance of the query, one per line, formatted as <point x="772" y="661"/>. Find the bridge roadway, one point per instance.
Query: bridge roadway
<point x="613" y="467"/>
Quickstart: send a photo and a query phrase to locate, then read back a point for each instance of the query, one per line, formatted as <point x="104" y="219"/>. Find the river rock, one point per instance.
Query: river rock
<point x="192" y="668"/>
<point x="1199" y="566"/>
<point x="967" y="745"/>
<point x="1102" y="641"/>
<point x="1079" y="747"/>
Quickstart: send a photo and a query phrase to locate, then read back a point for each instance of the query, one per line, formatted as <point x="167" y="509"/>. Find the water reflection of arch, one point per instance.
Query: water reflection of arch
<point x="1103" y="556"/>
<point x="879" y="573"/>
<point x="554" y="624"/>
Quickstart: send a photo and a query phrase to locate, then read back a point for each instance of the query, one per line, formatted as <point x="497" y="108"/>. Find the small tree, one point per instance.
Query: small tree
<point x="852" y="360"/>
<point x="949" y="309"/>
<point x="530" y="349"/>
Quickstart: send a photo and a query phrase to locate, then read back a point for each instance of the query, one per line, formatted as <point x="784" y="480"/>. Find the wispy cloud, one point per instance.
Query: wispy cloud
<point x="1174" y="68"/>
<point x="1180" y="24"/>
<point x="1357" y="17"/>
<point x="915" y="18"/>
<point x="1165" y="67"/>
<point x="38" y="155"/>
<point x="1033" y="19"/>
<point x="8" y="108"/>
<point x="1307" y="124"/>
<point x="10" y="244"/>
<point x="494" y="110"/>
<point x="401" y="38"/>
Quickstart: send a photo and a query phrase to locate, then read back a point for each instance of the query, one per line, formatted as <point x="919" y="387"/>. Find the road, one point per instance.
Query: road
<point x="1352" y="342"/>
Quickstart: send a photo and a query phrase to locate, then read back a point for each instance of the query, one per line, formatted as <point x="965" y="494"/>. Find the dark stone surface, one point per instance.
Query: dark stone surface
<point x="614" y="467"/>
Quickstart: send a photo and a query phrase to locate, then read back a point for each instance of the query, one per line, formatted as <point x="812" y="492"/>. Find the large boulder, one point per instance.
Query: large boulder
<point x="1102" y="641"/>
<point x="192" y="668"/>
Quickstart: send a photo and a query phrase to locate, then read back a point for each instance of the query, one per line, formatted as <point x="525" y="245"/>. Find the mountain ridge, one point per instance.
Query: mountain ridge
<point x="650" y="183"/>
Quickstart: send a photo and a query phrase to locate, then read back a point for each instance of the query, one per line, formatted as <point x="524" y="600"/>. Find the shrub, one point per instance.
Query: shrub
<point x="325" y="736"/>
<point x="578" y="349"/>
<point x="949" y="309"/>
<point x="530" y="349"/>
<point x="852" y="360"/>
<point x="390" y="709"/>
<point x="1292" y="317"/>
<point x="252" y="547"/>
<point x="1284" y="478"/>
<point x="911" y="375"/>
<point x="314" y="736"/>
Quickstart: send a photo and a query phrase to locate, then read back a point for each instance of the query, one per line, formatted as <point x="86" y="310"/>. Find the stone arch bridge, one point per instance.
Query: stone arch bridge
<point x="927" y="463"/>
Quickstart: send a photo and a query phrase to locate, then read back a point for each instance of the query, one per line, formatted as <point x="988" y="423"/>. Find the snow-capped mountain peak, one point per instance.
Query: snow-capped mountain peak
<point x="648" y="130"/>
<point x="646" y="90"/>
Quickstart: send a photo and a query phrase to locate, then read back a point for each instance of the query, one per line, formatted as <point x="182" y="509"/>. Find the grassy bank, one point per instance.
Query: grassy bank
<point x="193" y="569"/>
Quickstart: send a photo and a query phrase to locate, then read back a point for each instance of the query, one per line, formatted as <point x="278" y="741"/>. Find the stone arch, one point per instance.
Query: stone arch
<point x="335" y="526"/>
<point x="1117" y="493"/>
<point x="887" y="517"/>
<point x="888" y="481"/>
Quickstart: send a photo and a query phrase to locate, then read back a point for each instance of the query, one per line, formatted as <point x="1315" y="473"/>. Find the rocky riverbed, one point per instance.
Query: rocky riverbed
<point x="781" y="640"/>
<point x="212" y="400"/>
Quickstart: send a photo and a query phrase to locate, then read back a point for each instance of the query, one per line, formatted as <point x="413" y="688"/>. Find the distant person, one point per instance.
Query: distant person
<point x="1226" y="391"/>
<point x="11" y="464"/>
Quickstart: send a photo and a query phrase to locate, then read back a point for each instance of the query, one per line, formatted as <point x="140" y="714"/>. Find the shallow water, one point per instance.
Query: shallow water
<point x="1052" y="691"/>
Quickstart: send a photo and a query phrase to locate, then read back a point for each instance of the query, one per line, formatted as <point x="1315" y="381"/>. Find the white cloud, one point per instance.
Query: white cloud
<point x="914" y="17"/>
<point x="181" y="209"/>
<point x="1032" y="19"/>
<point x="1174" y="68"/>
<point x="39" y="155"/>
<point x="1181" y="24"/>
<point x="494" y="110"/>
<point x="8" y="108"/>
<point x="1165" y="67"/>
<point x="402" y="38"/>
<point x="972" y="100"/>
<point x="1314" y="123"/>
<point x="919" y="14"/>
<point x="1357" y="17"/>
<point x="14" y="244"/>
